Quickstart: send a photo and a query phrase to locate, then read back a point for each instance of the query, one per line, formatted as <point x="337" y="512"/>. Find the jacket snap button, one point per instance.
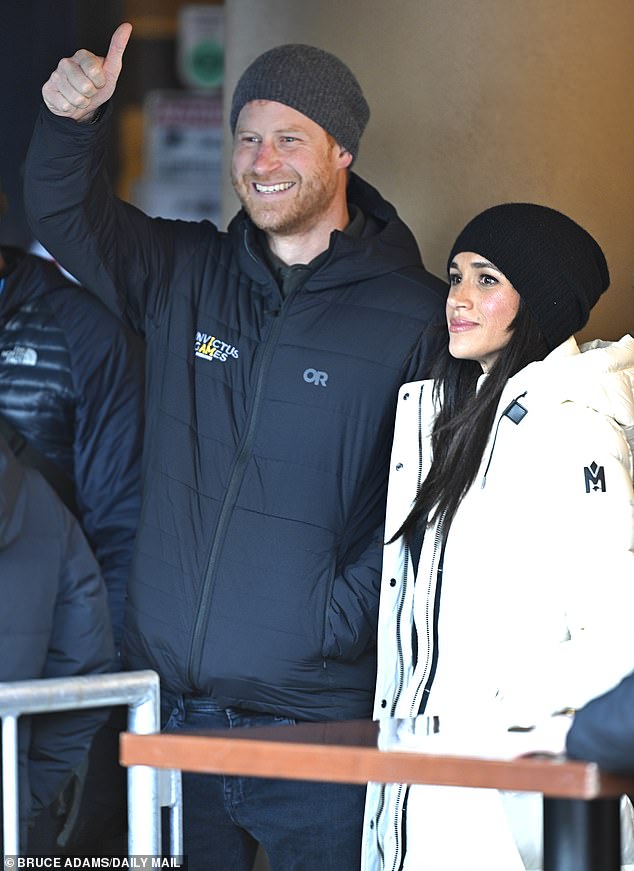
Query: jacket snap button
<point x="383" y="703"/>
<point x="406" y="396"/>
<point x="392" y="582"/>
<point x="399" y="466"/>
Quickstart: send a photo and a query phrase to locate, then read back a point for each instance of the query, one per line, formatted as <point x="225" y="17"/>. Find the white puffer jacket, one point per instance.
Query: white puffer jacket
<point x="531" y="611"/>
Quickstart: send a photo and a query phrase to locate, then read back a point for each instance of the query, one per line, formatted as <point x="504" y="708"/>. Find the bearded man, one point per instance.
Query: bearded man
<point x="274" y="353"/>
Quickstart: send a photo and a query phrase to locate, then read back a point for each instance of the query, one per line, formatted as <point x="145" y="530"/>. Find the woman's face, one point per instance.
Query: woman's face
<point x="481" y="306"/>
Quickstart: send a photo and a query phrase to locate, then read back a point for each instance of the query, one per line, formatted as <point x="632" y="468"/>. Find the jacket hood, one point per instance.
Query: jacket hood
<point x="598" y="375"/>
<point x="389" y="247"/>
<point x="11" y="512"/>
<point x="27" y="278"/>
<point x="608" y="368"/>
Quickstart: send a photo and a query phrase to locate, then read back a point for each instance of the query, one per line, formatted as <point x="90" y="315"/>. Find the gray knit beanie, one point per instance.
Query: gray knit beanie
<point x="555" y="265"/>
<point x="312" y="81"/>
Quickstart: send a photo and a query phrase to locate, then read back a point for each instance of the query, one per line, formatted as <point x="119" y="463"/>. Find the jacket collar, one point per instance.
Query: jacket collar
<point x="385" y="246"/>
<point x="598" y="375"/>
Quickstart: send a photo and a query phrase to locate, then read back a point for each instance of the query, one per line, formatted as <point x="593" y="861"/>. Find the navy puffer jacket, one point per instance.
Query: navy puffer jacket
<point x="54" y="622"/>
<point x="71" y="382"/>
<point x="269" y="424"/>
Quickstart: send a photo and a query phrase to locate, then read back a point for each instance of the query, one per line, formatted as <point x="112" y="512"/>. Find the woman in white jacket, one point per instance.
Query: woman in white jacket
<point x="508" y="580"/>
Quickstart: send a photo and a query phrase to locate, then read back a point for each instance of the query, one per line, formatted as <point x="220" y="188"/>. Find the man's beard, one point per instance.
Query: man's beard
<point x="295" y="216"/>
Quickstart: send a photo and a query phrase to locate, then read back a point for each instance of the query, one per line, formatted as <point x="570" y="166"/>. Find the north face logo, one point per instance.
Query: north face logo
<point x="19" y="355"/>
<point x="595" y="478"/>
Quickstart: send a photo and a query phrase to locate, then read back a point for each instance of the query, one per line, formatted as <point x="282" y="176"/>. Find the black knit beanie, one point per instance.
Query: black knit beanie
<point x="312" y="81"/>
<point x="555" y="265"/>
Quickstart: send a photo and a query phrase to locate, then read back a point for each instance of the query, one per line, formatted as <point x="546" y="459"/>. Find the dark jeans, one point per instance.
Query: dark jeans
<point x="302" y="826"/>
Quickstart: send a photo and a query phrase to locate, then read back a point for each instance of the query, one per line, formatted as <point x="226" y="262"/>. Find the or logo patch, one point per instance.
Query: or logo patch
<point x="595" y="478"/>
<point x="315" y="376"/>
<point x="212" y="348"/>
<point x="19" y="355"/>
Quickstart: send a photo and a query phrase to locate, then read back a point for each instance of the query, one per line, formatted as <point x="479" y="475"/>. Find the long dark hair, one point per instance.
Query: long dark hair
<point x="462" y="427"/>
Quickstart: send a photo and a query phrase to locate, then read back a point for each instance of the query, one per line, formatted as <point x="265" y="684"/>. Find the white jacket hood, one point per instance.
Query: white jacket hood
<point x="610" y="389"/>
<point x="598" y="374"/>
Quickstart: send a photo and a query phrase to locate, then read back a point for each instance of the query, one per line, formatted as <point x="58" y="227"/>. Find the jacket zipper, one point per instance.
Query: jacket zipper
<point x="237" y="473"/>
<point x="400" y="821"/>
<point x="424" y="683"/>
<point x="399" y="818"/>
<point x="399" y="813"/>
<point x="399" y="613"/>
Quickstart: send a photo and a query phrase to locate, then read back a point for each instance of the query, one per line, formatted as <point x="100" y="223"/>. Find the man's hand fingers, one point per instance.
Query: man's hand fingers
<point x="85" y="81"/>
<point x="85" y="71"/>
<point x="114" y="59"/>
<point x="72" y="87"/>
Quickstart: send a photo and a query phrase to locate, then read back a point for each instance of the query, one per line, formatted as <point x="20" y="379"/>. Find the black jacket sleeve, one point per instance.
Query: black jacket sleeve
<point x="107" y="367"/>
<point x="603" y="730"/>
<point x="80" y="644"/>
<point x="125" y="257"/>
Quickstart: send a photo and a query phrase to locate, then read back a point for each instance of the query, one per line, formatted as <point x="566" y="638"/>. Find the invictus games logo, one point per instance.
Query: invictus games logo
<point x="212" y="348"/>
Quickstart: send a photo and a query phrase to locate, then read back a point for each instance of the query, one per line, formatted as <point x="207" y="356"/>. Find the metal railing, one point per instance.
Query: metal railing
<point x="148" y="788"/>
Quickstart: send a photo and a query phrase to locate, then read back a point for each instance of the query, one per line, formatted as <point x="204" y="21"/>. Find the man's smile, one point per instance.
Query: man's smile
<point x="273" y="188"/>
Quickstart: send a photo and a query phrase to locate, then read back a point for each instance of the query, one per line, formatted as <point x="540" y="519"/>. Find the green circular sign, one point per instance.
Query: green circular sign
<point x="205" y="64"/>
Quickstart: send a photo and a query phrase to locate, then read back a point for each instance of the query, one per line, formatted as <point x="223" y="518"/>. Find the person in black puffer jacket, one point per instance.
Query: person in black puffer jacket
<point x="54" y="622"/>
<point x="71" y="405"/>
<point x="71" y="383"/>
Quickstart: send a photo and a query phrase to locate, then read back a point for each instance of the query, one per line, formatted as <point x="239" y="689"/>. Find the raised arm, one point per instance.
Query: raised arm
<point x="115" y="250"/>
<point x="82" y="83"/>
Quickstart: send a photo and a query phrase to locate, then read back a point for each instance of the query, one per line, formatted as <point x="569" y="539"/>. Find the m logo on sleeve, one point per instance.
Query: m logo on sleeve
<point x="595" y="478"/>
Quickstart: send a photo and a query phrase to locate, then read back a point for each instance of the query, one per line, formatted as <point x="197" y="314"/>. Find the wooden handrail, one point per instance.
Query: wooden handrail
<point x="346" y="752"/>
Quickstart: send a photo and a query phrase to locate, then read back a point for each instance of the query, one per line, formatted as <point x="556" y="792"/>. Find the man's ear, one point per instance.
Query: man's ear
<point x="345" y="158"/>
